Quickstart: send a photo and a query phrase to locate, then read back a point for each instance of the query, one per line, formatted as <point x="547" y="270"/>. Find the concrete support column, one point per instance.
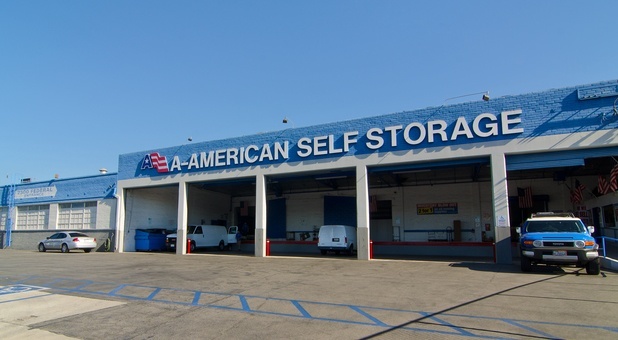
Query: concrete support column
<point x="260" y="216"/>
<point x="502" y="223"/>
<point x="362" y="212"/>
<point x="183" y="211"/>
<point x="120" y="214"/>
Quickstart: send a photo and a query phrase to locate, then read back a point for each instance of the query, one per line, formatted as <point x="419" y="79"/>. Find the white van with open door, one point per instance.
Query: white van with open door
<point x="337" y="238"/>
<point x="201" y="236"/>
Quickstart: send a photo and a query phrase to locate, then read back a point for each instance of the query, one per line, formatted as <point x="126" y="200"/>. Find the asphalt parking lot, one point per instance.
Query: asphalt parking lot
<point x="210" y="296"/>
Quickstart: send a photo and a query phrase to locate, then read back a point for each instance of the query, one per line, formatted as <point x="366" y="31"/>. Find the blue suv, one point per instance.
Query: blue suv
<point x="558" y="239"/>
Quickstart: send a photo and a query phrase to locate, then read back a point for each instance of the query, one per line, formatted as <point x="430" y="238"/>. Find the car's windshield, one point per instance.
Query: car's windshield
<point x="192" y="229"/>
<point x="555" y="226"/>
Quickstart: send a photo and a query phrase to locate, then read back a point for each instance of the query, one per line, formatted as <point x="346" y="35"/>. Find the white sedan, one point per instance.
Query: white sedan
<point x="67" y="240"/>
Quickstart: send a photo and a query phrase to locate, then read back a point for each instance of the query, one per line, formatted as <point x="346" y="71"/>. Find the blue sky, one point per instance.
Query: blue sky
<point x="82" y="82"/>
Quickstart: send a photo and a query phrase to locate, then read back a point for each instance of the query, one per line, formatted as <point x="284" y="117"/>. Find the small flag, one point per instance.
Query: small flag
<point x="603" y="185"/>
<point x="577" y="194"/>
<point x="373" y="203"/>
<point x="613" y="179"/>
<point x="525" y="197"/>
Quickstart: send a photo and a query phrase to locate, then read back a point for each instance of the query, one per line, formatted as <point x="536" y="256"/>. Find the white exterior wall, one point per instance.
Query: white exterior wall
<point x="106" y="214"/>
<point x="52" y="221"/>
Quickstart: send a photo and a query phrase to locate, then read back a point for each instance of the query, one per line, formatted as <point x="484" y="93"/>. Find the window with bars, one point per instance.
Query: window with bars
<point x="33" y="217"/>
<point x="81" y="215"/>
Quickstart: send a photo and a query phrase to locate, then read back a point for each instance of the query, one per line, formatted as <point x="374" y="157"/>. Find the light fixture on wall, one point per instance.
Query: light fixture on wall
<point x="485" y="96"/>
<point x="286" y="120"/>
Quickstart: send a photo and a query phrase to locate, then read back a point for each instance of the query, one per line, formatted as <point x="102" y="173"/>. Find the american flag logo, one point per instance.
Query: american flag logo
<point x="154" y="160"/>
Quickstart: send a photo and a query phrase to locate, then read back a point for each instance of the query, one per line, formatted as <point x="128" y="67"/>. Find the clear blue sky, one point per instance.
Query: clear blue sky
<point x="84" y="81"/>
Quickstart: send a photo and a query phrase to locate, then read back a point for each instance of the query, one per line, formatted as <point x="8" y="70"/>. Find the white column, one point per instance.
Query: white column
<point x="120" y="214"/>
<point x="260" y="216"/>
<point x="502" y="224"/>
<point x="181" y="229"/>
<point x="362" y="212"/>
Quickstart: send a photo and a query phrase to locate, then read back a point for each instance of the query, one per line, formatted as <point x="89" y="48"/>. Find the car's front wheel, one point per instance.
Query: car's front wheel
<point x="593" y="267"/>
<point x="42" y="247"/>
<point x="65" y="248"/>
<point x="526" y="264"/>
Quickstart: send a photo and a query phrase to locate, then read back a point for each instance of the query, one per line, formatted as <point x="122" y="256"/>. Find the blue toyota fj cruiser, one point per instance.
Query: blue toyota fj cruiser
<point x="558" y="239"/>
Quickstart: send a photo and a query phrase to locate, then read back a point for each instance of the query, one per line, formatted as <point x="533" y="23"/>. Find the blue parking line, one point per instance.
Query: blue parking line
<point x="117" y="289"/>
<point x="366" y="311"/>
<point x="300" y="308"/>
<point x="368" y="316"/>
<point x="153" y="294"/>
<point x="88" y="283"/>
<point x="25" y="298"/>
<point x="446" y="323"/>
<point x="530" y="329"/>
<point x="196" y="298"/>
<point x="243" y="302"/>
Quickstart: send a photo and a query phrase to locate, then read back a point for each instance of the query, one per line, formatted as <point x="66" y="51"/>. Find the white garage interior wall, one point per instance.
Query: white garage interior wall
<point x="147" y="208"/>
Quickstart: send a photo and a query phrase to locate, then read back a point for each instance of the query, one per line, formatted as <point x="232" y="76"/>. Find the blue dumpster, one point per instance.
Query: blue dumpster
<point x="149" y="239"/>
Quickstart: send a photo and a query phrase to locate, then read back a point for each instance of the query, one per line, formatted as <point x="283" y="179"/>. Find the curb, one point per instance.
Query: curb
<point x="609" y="263"/>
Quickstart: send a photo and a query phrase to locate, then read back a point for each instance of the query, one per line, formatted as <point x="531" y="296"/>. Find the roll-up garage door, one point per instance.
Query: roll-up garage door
<point x="275" y="218"/>
<point x="556" y="159"/>
<point x="340" y="210"/>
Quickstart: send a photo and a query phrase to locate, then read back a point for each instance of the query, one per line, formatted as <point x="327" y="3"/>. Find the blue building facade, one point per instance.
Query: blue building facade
<point x="32" y="211"/>
<point x="442" y="174"/>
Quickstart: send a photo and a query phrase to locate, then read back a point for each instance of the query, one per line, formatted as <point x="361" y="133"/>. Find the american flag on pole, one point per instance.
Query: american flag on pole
<point x="613" y="179"/>
<point x="373" y="203"/>
<point x="577" y="195"/>
<point x="159" y="162"/>
<point x="603" y="187"/>
<point x="525" y="197"/>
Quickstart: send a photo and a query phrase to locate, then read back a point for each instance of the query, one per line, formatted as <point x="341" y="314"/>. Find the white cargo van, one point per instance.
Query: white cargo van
<point x="337" y="238"/>
<point x="201" y="236"/>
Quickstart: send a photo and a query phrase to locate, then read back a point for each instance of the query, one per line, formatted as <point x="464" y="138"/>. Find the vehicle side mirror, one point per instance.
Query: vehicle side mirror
<point x="591" y="229"/>
<point x="518" y="230"/>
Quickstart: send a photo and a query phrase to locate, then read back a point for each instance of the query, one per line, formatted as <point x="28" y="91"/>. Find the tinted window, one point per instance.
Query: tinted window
<point x="198" y="230"/>
<point x="78" y="235"/>
<point x="555" y="226"/>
